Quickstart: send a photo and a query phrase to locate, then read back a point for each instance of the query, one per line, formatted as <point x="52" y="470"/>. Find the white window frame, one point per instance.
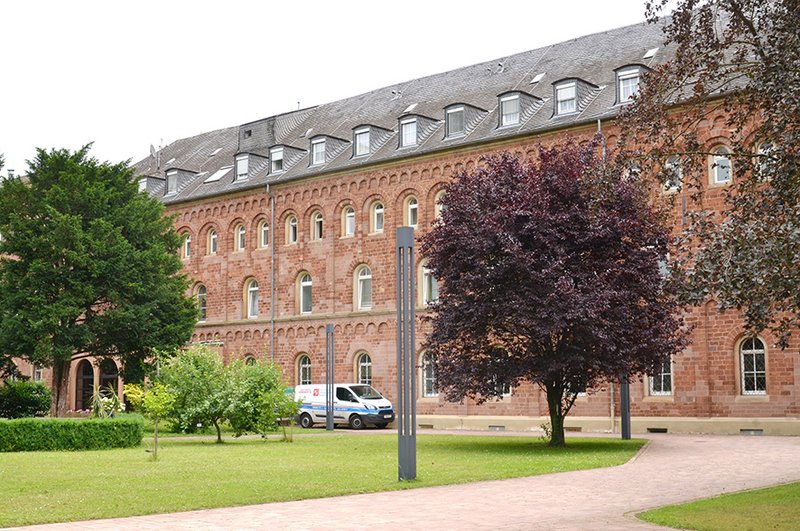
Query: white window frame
<point x="37" y="373"/>
<point x="408" y="132"/>
<point x="449" y="113"/>
<point x="562" y="92"/>
<point x="143" y="185"/>
<point x="318" y="151"/>
<point x="364" y="366"/>
<point x="242" y="167"/>
<point x="508" y="118"/>
<point x="263" y="234"/>
<point x="291" y="230"/>
<point x="276" y="157"/>
<point x="212" y="241"/>
<point x="364" y="279"/>
<point x="187" y="246"/>
<point x="720" y="154"/>
<point x="662" y="377"/>
<point x="378" y="218"/>
<point x="429" y="385"/>
<point x="349" y="221"/>
<point x="241" y="237"/>
<point x="430" y="287"/>
<point x="674" y="172"/>
<point x="202" y="302"/>
<point x="749" y="347"/>
<point x="172" y="182"/>
<point x="361" y="144"/>
<point x="318" y="225"/>
<point x="304" y="370"/>
<point x="252" y="299"/>
<point x="437" y="205"/>
<point x="306" y="283"/>
<point x="623" y="76"/>
<point x="412" y="212"/>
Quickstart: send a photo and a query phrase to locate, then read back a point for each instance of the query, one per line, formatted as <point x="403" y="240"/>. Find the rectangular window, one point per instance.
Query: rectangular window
<point x="509" y="110"/>
<point x="276" y="160"/>
<point x="318" y="151"/>
<point x="37" y="373"/>
<point x="379" y="218"/>
<point x="142" y="185"/>
<point x="565" y="96"/>
<point x="628" y="85"/>
<point x="242" y="165"/>
<point x="455" y="121"/>
<point x="172" y="182"/>
<point x="661" y="382"/>
<point x="362" y="142"/>
<point x="408" y="133"/>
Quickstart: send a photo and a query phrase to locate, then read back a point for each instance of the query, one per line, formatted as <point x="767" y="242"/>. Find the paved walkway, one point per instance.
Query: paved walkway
<point x="670" y="469"/>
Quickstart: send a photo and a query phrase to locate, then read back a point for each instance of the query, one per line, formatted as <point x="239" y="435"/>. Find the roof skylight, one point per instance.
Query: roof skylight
<point x="650" y="53"/>
<point x="410" y="108"/>
<point x="215" y="152"/>
<point x="538" y="77"/>
<point x="219" y="174"/>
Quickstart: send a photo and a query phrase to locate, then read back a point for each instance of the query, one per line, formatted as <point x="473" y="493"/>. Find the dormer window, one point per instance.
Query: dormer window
<point x="361" y="141"/>
<point x="408" y="132"/>
<point x="142" y="185"/>
<point x="318" y="151"/>
<point x="454" y="121"/>
<point x="509" y="110"/>
<point x="242" y="167"/>
<point x="566" y="100"/>
<point x="172" y="182"/>
<point x="276" y="160"/>
<point x="627" y="84"/>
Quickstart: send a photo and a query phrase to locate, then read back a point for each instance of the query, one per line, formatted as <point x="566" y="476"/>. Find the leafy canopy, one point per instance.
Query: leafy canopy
<point x="550" y="274"/>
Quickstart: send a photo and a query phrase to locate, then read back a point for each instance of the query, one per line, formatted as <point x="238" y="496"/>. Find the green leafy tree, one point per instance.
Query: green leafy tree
<point x="155" y="402"/>
<point x="89" y="266"/>
<point x="200" y="383"/>
<point x="735" y="61"/>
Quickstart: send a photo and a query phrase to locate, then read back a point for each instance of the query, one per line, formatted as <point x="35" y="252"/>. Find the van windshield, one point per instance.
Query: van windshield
<point x="365" y="391"/>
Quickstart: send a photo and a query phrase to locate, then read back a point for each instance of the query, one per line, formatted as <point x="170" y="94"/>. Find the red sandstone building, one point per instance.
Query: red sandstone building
<point x="289" y="225"/>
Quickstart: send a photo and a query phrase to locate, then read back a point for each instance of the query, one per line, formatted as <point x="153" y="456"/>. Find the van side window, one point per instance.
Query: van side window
<point x="344" y="395"/>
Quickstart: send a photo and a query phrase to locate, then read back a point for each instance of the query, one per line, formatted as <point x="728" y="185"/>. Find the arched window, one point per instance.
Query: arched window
<point x="303" y="370"/>
<point x="364" y="369"/>
<point x="376" y="217"/>
<point x="412" y="212"/>
<point x="291" y="229"/>
<point x="84" y="385"/>
<point x="187" y="245"/>
<point x="305" y="293"/>
<point x="240" y="235"/>
<point x="252" y="299"/>
<point x="349" y="221"/>
<point x="212" y="241"/>
<point x="109" y="375"/>
<point x="429" y="286"/>
<point x="250" y="360"/>
<point x="316" y="226"/>
<point x="720" y="165"/>
<point x="364" y="288"/>
<point x="674" y="175"/>
<point x="201" y="301"/>
<point x="263" y="234"/>
<point x="429" y="387"/>
<point x="765" y="153"/>
<point x="437" y="205"/>
<point x="753" y="366"/>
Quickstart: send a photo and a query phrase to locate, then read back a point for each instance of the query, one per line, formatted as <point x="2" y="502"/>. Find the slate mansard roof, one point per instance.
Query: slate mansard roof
<point x="593" y="59"/>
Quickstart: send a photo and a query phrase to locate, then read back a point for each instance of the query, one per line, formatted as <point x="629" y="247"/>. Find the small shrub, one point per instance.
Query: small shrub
<point x="23" y="398"/>
<point x="32" y="435"/>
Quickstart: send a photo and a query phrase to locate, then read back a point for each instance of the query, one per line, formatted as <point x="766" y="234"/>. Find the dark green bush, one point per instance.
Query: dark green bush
<point x="31" y="435"/>
<point x="23" y="398"/>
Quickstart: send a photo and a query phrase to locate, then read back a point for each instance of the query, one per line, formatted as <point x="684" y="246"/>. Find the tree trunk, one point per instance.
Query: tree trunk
<point x="555" y="394"/>
<point x="219" y="431"/>
<point x="60" y="388"/>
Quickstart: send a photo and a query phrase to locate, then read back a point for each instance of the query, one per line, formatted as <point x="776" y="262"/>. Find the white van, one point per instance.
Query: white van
<point x="354" y="404"/>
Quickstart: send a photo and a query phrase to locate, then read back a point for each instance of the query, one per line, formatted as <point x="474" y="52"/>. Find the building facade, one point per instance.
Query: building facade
<point x="289" y="225"/>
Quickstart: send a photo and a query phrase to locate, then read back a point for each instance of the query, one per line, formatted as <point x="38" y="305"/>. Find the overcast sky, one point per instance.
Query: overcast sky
<point x="127" y="74"/>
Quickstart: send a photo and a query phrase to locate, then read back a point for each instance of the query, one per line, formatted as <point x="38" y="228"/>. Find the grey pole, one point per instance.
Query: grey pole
<point x="406" y="373"/>
<point x="329" y="368"/>
<point x="625" y="407"/>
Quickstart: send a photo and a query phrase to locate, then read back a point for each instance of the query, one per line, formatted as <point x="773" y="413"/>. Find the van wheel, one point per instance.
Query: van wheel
<point x="305" y="421"/>
<point x="381" y="425"/>
<point x="356" y="422"/>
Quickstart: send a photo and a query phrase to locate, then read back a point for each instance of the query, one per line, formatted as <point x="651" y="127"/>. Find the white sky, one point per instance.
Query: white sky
<point x="126" y="74"/>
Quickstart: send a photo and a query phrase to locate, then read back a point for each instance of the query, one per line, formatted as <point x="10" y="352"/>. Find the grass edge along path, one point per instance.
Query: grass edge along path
<point x="775" y="508"/>
<point x="43" y="487"/>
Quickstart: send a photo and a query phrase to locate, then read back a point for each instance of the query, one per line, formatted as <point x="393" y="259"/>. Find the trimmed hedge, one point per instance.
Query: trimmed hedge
<point x="23" y="398"/>
<point x="33" y="435"/>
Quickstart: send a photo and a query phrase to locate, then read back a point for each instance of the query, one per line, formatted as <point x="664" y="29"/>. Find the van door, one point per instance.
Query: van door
<point x="346" y="402"/>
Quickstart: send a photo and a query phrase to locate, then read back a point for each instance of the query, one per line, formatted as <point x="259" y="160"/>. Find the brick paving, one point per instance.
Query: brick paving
<point x="670" y="469"/>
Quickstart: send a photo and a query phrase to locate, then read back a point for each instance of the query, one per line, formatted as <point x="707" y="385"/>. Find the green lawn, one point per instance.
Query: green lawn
<point x="772" y="508"/>
<point x="38" y="487"/>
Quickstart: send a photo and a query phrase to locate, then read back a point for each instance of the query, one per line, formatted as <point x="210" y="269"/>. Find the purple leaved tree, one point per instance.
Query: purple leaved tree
<point x="550" y="273"/>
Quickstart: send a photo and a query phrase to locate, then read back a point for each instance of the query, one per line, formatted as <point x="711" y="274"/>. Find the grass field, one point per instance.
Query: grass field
<point x="775" y="508"/>
<point x="40" y="487"/>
